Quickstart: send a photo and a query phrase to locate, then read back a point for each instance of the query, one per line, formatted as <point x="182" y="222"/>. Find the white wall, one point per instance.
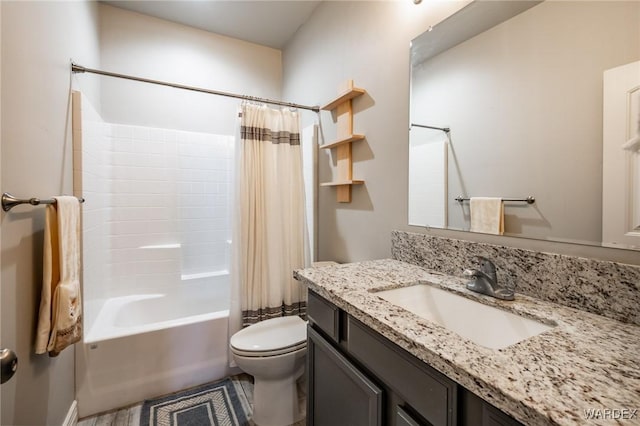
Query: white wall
<point x="91" y="175"/>
<point x="38" y="41"/>
<point x="143" y="46"/>
<point x="369" y="42"/>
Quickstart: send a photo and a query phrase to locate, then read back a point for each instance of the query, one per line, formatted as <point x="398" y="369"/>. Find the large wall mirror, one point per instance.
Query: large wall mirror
<point x="507" y="100"/>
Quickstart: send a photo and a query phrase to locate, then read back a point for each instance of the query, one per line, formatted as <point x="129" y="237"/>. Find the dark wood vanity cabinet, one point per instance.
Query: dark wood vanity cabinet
<point x="342" y="394"/>
<point x="358" y="377"/>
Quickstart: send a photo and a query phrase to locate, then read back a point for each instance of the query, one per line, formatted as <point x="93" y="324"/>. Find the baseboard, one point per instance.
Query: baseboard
<point x="72" y="415"/>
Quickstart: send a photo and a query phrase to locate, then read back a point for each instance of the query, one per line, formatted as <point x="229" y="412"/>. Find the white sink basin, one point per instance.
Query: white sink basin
<point x="482" y="324"/>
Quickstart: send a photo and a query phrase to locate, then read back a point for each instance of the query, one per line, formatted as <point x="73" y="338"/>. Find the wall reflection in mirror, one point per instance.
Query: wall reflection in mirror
<point x="526" y="106"/>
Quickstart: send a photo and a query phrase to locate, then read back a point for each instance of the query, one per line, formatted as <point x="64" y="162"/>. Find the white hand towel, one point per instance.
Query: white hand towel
<point x="487" y="215"/>
<point x="60" y="320"/>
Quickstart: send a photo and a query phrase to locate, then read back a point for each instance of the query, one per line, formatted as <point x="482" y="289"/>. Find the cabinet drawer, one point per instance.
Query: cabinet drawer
<point x="428" y="392"/>
<point x="338" y="393"/>
<point x="323" y="314"/>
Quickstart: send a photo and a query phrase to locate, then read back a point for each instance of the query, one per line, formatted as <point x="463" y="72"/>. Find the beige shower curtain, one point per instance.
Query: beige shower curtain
<point x="270" y="223"/>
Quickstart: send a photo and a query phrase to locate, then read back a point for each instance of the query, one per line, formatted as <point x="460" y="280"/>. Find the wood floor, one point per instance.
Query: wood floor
<point x="130" y="416"/>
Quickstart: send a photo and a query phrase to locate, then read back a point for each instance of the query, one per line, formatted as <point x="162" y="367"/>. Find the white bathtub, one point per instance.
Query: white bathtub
<point x="145" y="345"/>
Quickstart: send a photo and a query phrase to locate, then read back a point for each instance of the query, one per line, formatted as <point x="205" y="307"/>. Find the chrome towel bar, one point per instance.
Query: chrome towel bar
<point x="444" y="129"/>
<point x="9" y="201"/>
<point x="528" y="200"/>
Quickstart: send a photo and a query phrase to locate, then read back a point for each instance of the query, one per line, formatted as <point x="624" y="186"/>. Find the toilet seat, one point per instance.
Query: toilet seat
<point x="258" y="354"/>
<point x="271" y="337"/>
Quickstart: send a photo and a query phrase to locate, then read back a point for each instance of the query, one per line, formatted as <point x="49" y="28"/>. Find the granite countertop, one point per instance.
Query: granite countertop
<point x="587" y="363"/>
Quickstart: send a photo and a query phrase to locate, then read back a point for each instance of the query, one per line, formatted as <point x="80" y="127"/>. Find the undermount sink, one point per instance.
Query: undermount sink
<point x="482" y="324"/>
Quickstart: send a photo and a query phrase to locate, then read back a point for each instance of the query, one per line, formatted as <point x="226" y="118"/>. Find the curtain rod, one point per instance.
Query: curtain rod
<point x="75" y="68"/>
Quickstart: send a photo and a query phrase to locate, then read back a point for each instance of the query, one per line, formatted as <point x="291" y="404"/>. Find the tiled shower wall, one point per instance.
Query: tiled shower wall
<point x="157" y="205"/>
<point x="169" y="198"/>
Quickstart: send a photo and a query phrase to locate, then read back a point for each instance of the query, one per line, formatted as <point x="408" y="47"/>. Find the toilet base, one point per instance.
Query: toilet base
<point x="275" y="402"/>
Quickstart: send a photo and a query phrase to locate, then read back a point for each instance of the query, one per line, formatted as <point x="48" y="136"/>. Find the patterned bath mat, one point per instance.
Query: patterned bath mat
<point x="215" y="404"/>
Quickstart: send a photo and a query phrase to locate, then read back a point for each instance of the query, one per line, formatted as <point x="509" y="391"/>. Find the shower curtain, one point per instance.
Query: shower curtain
<point x="269" y="229"/>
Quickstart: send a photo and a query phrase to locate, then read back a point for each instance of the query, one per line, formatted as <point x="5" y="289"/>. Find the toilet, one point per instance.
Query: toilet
<point x="273" y="352"/>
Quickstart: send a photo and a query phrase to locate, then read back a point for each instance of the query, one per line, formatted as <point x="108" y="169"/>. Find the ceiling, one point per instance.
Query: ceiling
<point x="269" y="23"/>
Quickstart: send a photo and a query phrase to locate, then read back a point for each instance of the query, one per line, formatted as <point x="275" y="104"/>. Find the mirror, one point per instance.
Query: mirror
<point x="519" y="86"/>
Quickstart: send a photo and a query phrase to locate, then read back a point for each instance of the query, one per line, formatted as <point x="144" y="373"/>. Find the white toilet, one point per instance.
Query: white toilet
<point x="273" y="352"/>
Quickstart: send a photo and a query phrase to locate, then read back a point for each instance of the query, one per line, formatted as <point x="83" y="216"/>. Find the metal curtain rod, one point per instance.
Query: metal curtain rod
<point x="443" y="129"/>
<point x="80" y="69"/>
<point x="529" y="200"/>
<point x="9" y="201"/>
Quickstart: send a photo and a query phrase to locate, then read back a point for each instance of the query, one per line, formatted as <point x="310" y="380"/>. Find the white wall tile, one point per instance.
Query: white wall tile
<point x="150" y="187"/>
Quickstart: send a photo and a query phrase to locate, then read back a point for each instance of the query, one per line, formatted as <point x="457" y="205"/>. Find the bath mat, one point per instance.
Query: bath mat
<point x="215" y="404"/>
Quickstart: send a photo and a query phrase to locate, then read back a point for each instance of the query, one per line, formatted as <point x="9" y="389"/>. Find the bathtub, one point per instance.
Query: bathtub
<point x="145" y="345"/>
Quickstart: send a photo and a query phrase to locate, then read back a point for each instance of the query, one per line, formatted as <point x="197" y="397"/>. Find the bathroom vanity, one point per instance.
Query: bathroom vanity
<point x="358" y="377"/>
<point x="371" y="362"/>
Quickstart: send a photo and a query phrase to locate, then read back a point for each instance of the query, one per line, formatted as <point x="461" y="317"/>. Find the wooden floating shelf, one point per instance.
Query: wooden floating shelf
<point x="348" y="139"/>
<point x="344" y="97"/>
<point x="343" y="182"/>
<point x="344" y="137"/>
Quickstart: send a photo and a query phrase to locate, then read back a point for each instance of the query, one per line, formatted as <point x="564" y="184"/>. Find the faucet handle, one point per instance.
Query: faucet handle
<point x="486" y="265"/>
<point x="471" y="273"/>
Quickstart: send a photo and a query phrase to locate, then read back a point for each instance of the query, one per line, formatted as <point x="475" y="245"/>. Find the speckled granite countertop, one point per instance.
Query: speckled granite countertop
<point x="587" y="362"/>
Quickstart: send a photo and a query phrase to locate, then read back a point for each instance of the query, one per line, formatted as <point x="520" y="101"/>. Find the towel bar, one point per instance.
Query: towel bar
<point x="9" y="201"/>
<point x="528" y="200"/>
<point x="444" y="129"/>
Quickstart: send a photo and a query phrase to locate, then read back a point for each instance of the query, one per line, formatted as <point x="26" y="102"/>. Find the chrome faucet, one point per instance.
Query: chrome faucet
<point x="485" y="280"/>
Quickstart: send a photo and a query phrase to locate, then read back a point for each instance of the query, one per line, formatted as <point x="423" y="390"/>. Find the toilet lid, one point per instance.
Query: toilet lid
<point x="271" y="335"/>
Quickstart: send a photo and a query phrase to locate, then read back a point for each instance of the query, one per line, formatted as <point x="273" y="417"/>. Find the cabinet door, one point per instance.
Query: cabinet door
<point x="430" y="393"/>
<point x="405" y="419"/>
<point x="338" y="394"/>
<point x="491" y="416"/>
